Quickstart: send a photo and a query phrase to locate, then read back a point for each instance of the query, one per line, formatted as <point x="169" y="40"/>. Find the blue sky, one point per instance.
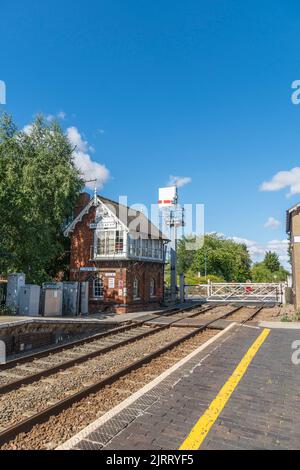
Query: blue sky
<point x="199" y="89"/>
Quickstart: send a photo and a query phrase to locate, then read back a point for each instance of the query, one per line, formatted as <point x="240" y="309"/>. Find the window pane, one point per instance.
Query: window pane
<point x="144" y="247"/>
<point x="101" y="244"/>
<point x="152" y="287"/>
<point x="110" y="239"/>
<point x="136" y="289"/>
<point x="119" y="241"/>
<point x="98" y="287"/>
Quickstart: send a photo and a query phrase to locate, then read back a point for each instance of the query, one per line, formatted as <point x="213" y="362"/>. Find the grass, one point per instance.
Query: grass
<point x="285" y="318"/>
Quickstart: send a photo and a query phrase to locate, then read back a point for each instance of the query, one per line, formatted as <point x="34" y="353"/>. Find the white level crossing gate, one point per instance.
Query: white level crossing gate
<point x="237" y="292"/>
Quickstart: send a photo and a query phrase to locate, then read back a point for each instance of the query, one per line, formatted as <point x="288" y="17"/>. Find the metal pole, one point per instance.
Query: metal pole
<point x="182" y="293"/>
<point x="173" y="260"/>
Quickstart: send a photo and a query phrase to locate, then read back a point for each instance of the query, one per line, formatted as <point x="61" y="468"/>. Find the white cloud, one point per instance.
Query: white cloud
<point x="28" y="129"/>
<point x="61" y="115"/>
<point x="179" y="181"/>
<point x="89" y="168"/>
<point x="284" y="179"/>
<point x="272" y="223"/>
<point x="258" y="250"/>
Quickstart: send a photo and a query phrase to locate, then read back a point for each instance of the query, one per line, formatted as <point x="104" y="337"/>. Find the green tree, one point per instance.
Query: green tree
<point x="184" y="256"/>
<point x="38" y="188"/>
<point x="271" y="261"/>
<point x="261" y="273"/>
<point x="224" y="258"/>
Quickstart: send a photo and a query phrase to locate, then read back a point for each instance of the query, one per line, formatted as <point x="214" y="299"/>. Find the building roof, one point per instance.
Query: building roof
<point x="133" y="220"/>
<point x="288" y="216"/>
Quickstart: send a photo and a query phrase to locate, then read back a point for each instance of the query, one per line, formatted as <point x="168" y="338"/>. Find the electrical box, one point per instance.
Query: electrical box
<point x="52" y="299"/>
<point x="14" y="283"/>
<point x="84" y="298"/>
<point x="70" y="298"/>
<point x="29" y="300"/>
<point x="3" y="291"/>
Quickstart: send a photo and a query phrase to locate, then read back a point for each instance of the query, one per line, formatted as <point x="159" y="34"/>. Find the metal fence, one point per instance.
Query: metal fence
<point x="237" y="292"/>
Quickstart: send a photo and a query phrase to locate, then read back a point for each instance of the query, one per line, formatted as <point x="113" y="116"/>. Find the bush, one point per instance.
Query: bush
<point x="6" y="311"/>
<point x="192" y="279"/>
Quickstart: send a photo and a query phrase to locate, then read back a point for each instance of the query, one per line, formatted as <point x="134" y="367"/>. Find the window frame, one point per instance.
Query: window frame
<point x="152" y="287"/>
<point x="136" y="294"/>
<point x="110" y="243"/>
<point x="101" y="288"/>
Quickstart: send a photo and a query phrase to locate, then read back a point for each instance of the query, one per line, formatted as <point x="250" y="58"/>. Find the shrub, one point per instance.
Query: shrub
<point x="6" y="311"/>
<point x="285" y="318"/>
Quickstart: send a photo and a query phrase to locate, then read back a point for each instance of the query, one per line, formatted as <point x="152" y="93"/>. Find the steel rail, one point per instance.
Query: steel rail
<point x="253" y="314"/>
<point x="27" y="424"/>
<point x="31" y="378"/>
<point x="79" y="342"/>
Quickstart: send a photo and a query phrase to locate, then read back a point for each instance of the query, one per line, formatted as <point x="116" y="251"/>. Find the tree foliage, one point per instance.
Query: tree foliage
<point x="269" y="270"/>
<point x="271" y="261"/>
<point x="221" y="257"/>
<point x="39" y="185"/>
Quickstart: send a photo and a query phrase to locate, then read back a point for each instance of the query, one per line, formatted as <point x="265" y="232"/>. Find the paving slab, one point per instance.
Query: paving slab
<point x="262" y="412"/>
<point x="280" y="325"/>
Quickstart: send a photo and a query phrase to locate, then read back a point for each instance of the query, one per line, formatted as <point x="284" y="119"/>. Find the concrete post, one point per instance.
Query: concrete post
<point x="208" y="288"/>
<point x="283" y="293"/>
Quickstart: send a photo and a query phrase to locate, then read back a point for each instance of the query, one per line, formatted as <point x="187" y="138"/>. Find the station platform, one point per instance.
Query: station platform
<point x="240" y="390"/>
<point x="106" y="318"/>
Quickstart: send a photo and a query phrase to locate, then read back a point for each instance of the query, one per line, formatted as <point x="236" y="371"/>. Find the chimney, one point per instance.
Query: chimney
<point x="83" y="200"/>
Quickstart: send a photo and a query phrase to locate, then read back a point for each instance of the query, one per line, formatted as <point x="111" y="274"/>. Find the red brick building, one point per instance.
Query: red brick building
<point x="120" y="252"/>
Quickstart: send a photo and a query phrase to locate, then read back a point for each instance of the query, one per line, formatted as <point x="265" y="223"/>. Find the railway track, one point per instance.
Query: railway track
<point x="14" y="374"/>
<point x="78" y="342"/>
<point x="244" y="316"/>
<point x="61" y="427"/>
<point x="92" y="367"/>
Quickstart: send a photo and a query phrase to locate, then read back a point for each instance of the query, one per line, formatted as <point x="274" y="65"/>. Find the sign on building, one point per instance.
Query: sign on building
<point x="88" y="269"/>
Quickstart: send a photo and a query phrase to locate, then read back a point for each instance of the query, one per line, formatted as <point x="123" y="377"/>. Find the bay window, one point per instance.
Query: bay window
<point x="110" y="242"/>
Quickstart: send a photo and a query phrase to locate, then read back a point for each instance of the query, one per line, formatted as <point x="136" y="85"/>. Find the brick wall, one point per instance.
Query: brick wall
<point x="82" y="201"/>
<point x="81" y="241"/>
<point x="120" y="297"/>
<point x="123" y="272"/>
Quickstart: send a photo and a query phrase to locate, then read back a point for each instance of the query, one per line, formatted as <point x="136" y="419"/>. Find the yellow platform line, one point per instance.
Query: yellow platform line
<point x="207" y="420"/>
